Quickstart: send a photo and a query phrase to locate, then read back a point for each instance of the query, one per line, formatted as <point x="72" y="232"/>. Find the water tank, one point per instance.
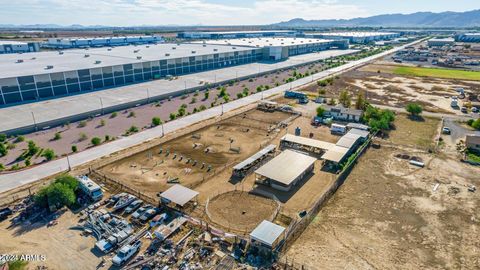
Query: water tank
<point x="298" y="131"/>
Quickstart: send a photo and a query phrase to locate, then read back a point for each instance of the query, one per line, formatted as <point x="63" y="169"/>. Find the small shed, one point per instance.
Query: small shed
<point x="179" y="195"/>
<point x="267" y="235"/>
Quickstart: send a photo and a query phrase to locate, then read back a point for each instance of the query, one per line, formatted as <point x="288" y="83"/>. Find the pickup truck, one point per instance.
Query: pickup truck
<point x="126" y="253"/>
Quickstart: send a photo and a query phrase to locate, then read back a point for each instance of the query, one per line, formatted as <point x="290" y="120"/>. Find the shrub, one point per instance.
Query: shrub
<point x="239" y="95"/>
<point x="11" y="146"/>
<point x="107" y="138"/>
<point x="96" y="141"/>
<point x="194" y="100"/>
<point x="2" y="167"/>
<point x="206" y="95"/>
<point x="226" y="98"/>
<point x="113" y="115"/>
<point x="32" y="148"/>
<point x="20" y="138"/>
<point x="82" y="137"/>
<point x="57" y="136"/>
<point x="173" y="116"/>
<point x="3" y="150"/>
<point x="131" y="114"/>
<point x="82" y="124"/>
<point x="320" y="111"/>
<point x="3" y="137"/>
<point x="133" y="129"/>
<point x="27" y="162"/>
<point x="202" y="107"/>
<point x="476" y="124"/>
<point x="414" y="109"/>
<point x="156" y="121"/>
<point x="74" y="148"/>
<point x="102" y="122"/>
<point x="48" y="154"/>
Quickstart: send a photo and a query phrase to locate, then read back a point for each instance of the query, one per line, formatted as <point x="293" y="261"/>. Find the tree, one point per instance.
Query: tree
<point x="414" y="109"/>
<point x="48" y="154"/>
<point x="223" y="91"/>
<point x="239" y="95"/>
<point x="156" y="121"/>
<point x="206" y="95"/>
<point x="3" y="137"/>
<point x="226" y="98"/>
<point x="476" y="124"/>
<point x="61" y="192"/>
<point x="74" y="148"/>
<point x="378" y="119"/>
<point x="345" y="99"/>
<point x="360" y="103"/>
<point x="320" y="111"/>
<point x="96" y="141"/>
<point x="173" y="116"/>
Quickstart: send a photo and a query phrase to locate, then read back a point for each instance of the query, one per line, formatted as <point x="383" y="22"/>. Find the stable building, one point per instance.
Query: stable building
<point x="305" y="144"/>
<point x="472" y="142"/>
<point x="267" y="236"/>
<point x="285" y="170"/>
<point x="242" y="168"/>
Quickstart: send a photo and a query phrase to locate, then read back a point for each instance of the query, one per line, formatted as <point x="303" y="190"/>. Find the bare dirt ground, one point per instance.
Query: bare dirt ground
<point x="62" y="246"/>
<point x="245" y="216"/>
<point x="383" y="88"/>
<point x="388" y="214"/>
<point x="211" y="146"/>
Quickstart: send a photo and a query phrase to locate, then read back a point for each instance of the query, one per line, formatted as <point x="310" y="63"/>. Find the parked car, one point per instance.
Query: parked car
<point x="133" y="206"/>
<point x="147" y="215"/>
<point x="464" y="110"/>
<point x="141" y="210"/>
<point x="475" y="110"/>
<point x="446" y="130"/>
<point x="126" y="252"/>
<point x="4" y="213"/>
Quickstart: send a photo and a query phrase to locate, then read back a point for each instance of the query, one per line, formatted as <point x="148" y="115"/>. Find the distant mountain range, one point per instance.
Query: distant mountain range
<point x="419" y="19"/>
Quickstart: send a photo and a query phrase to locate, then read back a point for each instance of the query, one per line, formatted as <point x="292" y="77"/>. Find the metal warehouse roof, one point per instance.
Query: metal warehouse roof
<point x="254" y="157"/>
<point x="356" y="34"/>
<point x="267" y="232"/>
<point x="179" y="194"/>
<point x="286" y="167"/>
<point x="244" y="32"/>
<point x="308" y="142"/>
<point x="70" y="60"/>
<point x="13" y="42"/>
<point x="336" y="154"/>
<point x="267" y="41"/>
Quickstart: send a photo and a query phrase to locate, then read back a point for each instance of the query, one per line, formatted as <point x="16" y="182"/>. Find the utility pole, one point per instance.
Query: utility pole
<point x="68" y="162"/>
<point x="148" y="96"/>
<point x="163" y="132"/>
<point x="34" y="122"/>
<point x="101" y="105"/>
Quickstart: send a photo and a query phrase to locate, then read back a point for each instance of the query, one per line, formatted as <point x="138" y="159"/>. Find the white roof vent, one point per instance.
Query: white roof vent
<point x="49" y="67"/>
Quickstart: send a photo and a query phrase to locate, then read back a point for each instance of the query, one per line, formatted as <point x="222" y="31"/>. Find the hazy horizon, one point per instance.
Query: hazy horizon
<point x="208" y="12"/>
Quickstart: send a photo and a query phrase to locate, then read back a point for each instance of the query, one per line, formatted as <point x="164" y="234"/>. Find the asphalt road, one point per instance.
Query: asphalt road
<point x="19" y="178"/>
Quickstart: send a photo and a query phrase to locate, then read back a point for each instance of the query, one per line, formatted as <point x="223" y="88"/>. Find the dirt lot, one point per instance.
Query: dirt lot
<point x="388" y="214"/>
<point x="226" y="209"/>
<point x="149" y="171"/>
<point x="63" y="246"/>
<point x="383" y="88"/>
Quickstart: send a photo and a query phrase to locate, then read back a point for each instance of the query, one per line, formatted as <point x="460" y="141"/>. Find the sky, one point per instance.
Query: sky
<point x="209" y="12"/>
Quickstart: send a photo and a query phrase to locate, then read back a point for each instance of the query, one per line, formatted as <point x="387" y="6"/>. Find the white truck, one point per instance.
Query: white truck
<point x="338" y="129"/>
<point x="126" y="253"/>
